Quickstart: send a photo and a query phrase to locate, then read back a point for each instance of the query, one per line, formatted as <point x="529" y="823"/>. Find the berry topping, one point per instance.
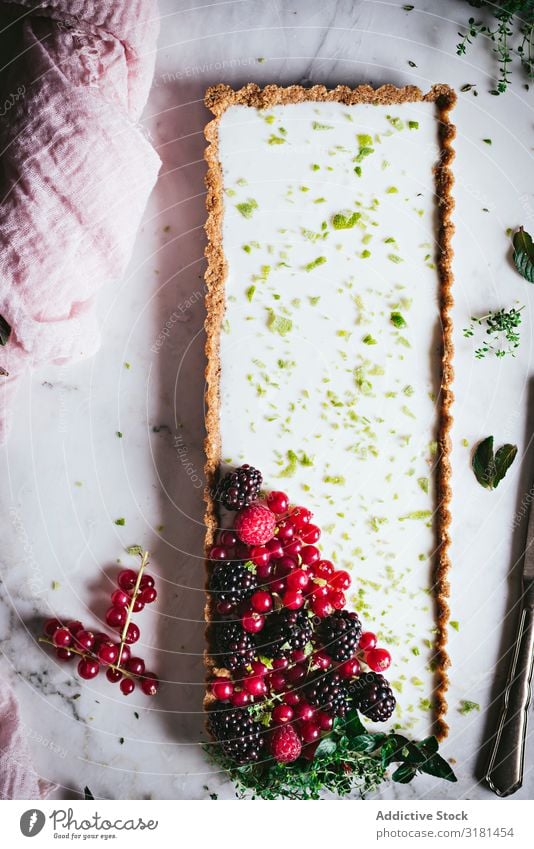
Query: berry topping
<point x="286" y="744"/>
<point x="239" y="488"/>
<point x="329" y="693"/>
<point x="339" y="634"/>
<point x="232" y="583"/>
<point x="255" y="525"/>
<point x="278" y="502"/>
<point x="378" y="659"/>
<point x="373" y="697"/>
<point x="234" y="645"/>
<point x="285" y="631"/>
<point x="241" y="738"/>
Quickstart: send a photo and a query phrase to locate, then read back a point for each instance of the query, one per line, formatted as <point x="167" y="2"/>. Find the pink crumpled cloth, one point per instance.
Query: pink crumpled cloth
<point x="76" y="171"/>
<point x="18" y="780"/>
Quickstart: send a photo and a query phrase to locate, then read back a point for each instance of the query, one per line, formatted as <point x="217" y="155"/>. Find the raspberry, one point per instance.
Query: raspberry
<point x="255" y="525"/>
<point x="286" y="745"/>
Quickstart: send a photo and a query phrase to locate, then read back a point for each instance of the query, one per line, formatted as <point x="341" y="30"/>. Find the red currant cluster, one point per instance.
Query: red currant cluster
<point x="290" y="580"/>
<point x="97" y="650"/>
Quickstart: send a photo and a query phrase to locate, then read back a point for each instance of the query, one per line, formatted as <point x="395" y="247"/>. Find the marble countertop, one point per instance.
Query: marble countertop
<point x="66" y="476"/>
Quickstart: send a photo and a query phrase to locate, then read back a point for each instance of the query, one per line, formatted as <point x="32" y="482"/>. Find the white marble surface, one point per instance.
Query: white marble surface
<point x="55" y="530"/>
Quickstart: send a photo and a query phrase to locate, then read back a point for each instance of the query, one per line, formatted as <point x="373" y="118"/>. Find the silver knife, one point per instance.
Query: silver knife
<point x="505" y="769"/>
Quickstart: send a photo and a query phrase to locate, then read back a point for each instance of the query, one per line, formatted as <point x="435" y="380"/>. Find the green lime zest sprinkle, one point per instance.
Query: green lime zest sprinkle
<point x="120" y="521"/>
<point x="269" y="119"/>
<point x="320" y="260"/>
<point x="454" y="624"/>
<point x="315" y="167"/>
<point x="365" y="140"/>
<point x="118" y="433"/>
<point x="316" y="125"/>
<point x="250" y="292"/>
<point x="397" y="319"/>
<point x="314" y="299"/>
<point x="395" y="258"/>
<point x="487" y="141"/>
<point x="246" y="208"/>
<point x="362" y="153"/>
<point x="345" y="222"/>
<point x="416" y="651"/>
<point x="127" y="365"/>
<point x="392" y="190"/>
<point x="416" y="514"/>
<point x="413" y="125"/>
<point x="275" y="139"/>
<point x="369" y="340"/>
<point x="358" y="171"/>
<point x="423" y="483"/>
<point x="293" y="461"/>
<point x="395" y="122"/>
<point x="365" y="254"/>
<point x="467" y="707"/>
<point x="339" y="480"/>
<point x="279" y="323"/>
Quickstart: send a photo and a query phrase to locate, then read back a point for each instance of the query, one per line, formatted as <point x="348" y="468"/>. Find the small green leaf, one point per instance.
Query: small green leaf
<point x="365" y="743"/>
<point x="504" y="458"/>
<point x="438" y="766"/>
<point x="5" y="331"/>
<point x="484" y="463"/>
<point x="87" y="794"/>
<point x="404" y="774"/>
<point x="523" y="255"/>
<point x="353" y="725"/>
<point x="326" y="747"/>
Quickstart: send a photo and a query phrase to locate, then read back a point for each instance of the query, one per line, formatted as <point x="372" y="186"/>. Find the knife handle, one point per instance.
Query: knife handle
<point x="505" y="770"/>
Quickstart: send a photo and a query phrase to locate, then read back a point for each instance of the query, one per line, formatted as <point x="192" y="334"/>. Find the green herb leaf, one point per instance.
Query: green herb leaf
<point x="404" y="774"/>
<point x="438" y="766"/>
<point x="87" y="794"/>
<point x="504" y="458"/>
<point x="523" y="255"/>
<point x="5" y="331"/>
<point x="326" y="747"/>
<point x="484" y="463"/>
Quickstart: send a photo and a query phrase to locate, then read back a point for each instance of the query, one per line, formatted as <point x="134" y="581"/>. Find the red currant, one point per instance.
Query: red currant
<point x="304" y="711"/>
<point x="295" y="674"/>
<point x="319" y="590"/>
<point x="138" y="606"/>
<point x="322" y="607"/>
<point x="113" y="675"/>
<point x="378" y="659"/>
<point x="125" y="654"/>
<point x="132" y="633"/>
<point x="259" y="668"/>
<point x="300" y="517"/>
<point x="321" y="659"/>
<point x="240" y="698"/>
<point x="310" y="732"/>
<point x="127" y="686"/>
<point x="146" y="581"/>
<point x="108" y="653"/>
<point x="222" y="689"/>
<point x="284" y="566"/>
<point x="277" y="681"/>
<point x="324" y="569"/>
<point x="116" y="617"/>
<point x="262" y="602"/>
<point x="148" y="595"/>
<point x="127" y="579"/>
<point x="50" y="626"/>
<point x="325" y="721"/>
<point x="252" y="622"/>
<point x="286" y="531"/>
<point x="136" y="665"/>
<point x="292" y="698"/>
<point x="310" y="534"/>
<point x="224" y="607"/>
<point x="228" y="539"/>
<point x="264" y="572"/>
<point x="298" y="656"/>
<point x="62" y="638"/>
<point x="276" y="548"/>
<point x="337" y="599"/>
<point x="280" y="663"/>
<point x="297" y="580"/>
<point x="293" y="549"/>
<point x="282" y="714"/>
<point x="218" y="552"/>
<point x="149" y="684"/>
<point x="309" y="555"/>
<point x="120" y="599"/>
<point x="255" y="685"/>
<point x="349" y="669"/>
<point x="278" y="502"/>
<point x="74" y="626"/>
<point x="88" y="668"/>
<point x="242" y="551"/>
<point x="367" y="640"/>
<point x="293" y="599"/>
<point x="64" y="654"/>
<point x="340" y="580"/>
<point x="260" y="555"/>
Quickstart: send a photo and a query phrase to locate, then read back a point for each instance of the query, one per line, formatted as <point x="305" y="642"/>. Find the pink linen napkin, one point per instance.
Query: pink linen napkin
<point x="76" y="172"/>
<point x="18" y="780"/>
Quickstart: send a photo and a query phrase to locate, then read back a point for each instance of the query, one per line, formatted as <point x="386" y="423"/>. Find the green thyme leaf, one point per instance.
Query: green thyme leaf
<point x="467" y="707"/>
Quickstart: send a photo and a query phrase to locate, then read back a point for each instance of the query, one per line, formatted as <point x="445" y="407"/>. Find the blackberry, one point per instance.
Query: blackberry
<point x="339" y="634"/>
<point x="239" y="488"/>
<point x="285" y="631"/>
<point x="235" y="646"/>
<point x="241" y="738"/>
<point x="329" y="693"/>
<point x="232" y="582"/>
<point x="373" y="696"/>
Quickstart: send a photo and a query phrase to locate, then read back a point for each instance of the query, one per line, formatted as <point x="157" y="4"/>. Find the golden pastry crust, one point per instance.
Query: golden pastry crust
<point x="219" y="98"/>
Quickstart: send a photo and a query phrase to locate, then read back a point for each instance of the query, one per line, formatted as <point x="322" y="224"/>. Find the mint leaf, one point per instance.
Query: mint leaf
<point x="484" y="463"/>
<point x="504" y="458"/>
<point x="523" y="254"/>
<point x="5" y="331"/>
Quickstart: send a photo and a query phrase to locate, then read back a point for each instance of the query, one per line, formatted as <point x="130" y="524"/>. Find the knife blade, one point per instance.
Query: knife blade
<point x="505" y="769"/>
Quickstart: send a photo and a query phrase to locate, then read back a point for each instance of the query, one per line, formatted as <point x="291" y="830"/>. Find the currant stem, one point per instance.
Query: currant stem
<point x="115" y="666"/>
<point x="144" y="561"/>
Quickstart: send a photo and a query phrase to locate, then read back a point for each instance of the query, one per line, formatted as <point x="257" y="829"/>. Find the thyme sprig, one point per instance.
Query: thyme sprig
<point x="511" y="32"/>
<point x="350" y="759"/>
<point x="502" y="336"/>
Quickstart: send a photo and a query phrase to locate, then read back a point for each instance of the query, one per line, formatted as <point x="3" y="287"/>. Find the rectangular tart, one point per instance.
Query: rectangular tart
<point x="329" y="342"/>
